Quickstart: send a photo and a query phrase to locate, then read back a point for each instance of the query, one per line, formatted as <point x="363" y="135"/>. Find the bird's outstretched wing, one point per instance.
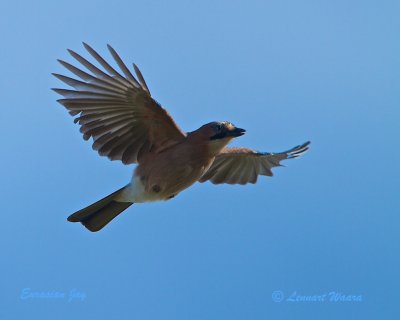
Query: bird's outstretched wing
<point x="242" y="165"/>
<point x="116" y="110"/>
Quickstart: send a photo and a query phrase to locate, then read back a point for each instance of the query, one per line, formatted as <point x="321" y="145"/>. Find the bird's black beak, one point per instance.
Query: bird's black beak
<point x="237" y="132"/>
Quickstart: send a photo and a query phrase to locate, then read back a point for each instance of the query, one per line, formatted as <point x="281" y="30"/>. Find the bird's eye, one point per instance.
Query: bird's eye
<point x="218" y="127"/>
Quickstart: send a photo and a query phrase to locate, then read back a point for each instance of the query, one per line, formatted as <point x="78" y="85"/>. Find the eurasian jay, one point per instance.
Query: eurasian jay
<point x="127" y="124"/>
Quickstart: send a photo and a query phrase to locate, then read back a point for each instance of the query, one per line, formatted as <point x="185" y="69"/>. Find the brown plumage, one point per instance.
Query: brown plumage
<point x="127" y="124"/>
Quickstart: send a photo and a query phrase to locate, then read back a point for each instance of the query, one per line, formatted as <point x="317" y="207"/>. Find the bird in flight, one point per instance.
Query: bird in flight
<point x="117" y="111"/>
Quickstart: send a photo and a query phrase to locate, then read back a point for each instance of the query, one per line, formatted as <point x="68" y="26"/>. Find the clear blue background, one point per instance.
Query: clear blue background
<point x="287" y="71"/>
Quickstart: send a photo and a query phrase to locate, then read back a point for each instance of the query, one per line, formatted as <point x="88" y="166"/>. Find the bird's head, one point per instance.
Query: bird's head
<point x="223" y="130"/>
<point x="219" y="133"/>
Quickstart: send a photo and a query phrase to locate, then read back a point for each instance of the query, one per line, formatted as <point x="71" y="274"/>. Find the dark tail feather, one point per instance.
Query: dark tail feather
<point x="99" y="214"/>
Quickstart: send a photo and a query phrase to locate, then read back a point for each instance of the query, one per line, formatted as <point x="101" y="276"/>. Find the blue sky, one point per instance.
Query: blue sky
<point x="288" y="72"/>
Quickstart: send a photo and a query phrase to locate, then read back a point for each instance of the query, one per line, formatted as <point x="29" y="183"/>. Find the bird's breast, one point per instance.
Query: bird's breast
<point x="162" y="176"/>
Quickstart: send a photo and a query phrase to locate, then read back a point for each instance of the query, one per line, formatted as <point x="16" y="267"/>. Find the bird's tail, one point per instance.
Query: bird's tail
<point x="96" y="216"/>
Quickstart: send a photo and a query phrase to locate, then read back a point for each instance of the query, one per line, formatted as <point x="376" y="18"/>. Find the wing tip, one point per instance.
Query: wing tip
<point x="61" y="61"/>
<point x="298" y="150"/>
<point x="87" y="47"/>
